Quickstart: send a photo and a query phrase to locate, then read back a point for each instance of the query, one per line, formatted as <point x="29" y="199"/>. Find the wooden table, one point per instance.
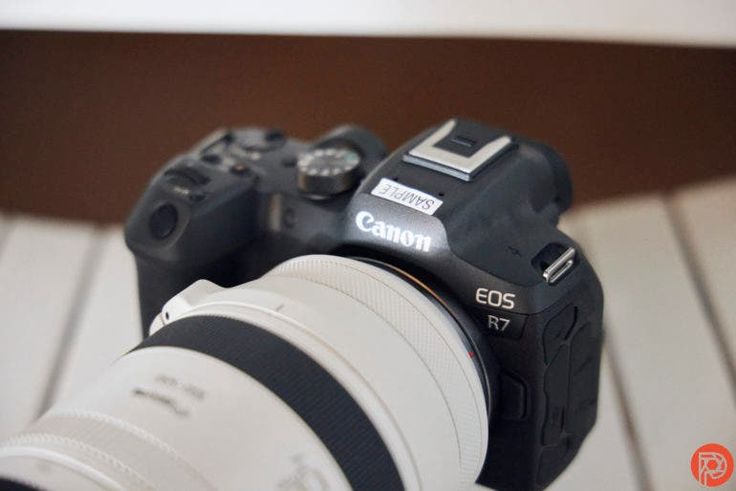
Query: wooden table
<point x="668" y="265"/>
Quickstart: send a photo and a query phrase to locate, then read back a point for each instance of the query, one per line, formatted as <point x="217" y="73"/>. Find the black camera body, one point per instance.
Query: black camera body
<point x="465" y="212"/>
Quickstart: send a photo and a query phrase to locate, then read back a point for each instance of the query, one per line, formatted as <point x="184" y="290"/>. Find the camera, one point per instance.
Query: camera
<point x="328" y="316"/>
<point x="463" y="212"/>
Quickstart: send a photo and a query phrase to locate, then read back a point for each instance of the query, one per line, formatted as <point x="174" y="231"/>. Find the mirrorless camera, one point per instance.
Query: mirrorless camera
<point x="464" y="213"/>
<point x="319" y="315"/>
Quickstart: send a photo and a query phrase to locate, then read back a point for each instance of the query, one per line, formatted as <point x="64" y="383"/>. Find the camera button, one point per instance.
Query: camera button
<point x="197" y="196"/>
<point x="274" y="136"/>
<point x="186" y="177"/>
<point x="212" y="158"/>
<point x="513" y="397"/>
<point x="163" y="221"/>
<point x="255" y="140"/>
<point x="240" y="169"/>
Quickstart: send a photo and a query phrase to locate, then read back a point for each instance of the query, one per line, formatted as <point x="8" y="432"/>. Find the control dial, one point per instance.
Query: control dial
<point x="326" y="171"/>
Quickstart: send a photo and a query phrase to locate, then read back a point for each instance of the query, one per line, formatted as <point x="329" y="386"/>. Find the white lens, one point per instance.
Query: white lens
<point x="327" y="373"/>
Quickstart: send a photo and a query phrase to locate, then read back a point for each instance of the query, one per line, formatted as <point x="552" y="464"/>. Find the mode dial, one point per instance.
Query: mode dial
<point x="326" y="171"/>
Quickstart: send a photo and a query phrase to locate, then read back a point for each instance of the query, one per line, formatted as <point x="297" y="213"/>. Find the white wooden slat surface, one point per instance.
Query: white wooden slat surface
<point x="707" y="214"/>
<point x="108" y="324"/>
<point x="40" y="269"/>
<point x="676" y="385"/>
<point x="3" y="229"/>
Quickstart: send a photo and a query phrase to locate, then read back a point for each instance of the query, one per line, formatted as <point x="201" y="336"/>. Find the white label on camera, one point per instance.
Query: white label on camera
<point x="404" y="195"/>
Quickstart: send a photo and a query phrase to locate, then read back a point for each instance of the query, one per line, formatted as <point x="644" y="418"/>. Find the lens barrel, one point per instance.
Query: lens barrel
<point x="327" y="373"/>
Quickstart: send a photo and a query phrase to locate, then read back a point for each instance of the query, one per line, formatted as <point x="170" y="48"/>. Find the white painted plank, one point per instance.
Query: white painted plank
<point x="672" y="374"/>
<point x="3" y="230"/>
<point x="707" y="214"/>
<point x="41" y="263"/>
<point x="108" y="324"/>
<point x="675" y="21"/>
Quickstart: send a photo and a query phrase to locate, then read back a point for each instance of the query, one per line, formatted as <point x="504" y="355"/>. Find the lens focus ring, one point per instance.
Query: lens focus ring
<point x="419" y="323"/>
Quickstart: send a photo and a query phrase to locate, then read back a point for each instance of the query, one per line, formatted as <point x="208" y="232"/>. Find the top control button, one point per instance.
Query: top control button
<point x="254" y="140"/>
<point x="274" y="136"/>
<point x="240" y="169"/>
<point x="163" y="221"/>
<point x="459" y="149"/>
<point x="186" y="176"/>
<point x="211" y="158"/>
<point x="214" y="144"/>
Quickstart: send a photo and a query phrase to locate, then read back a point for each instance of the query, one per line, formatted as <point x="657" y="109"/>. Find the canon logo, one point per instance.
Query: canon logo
<point x="367" y="223"/>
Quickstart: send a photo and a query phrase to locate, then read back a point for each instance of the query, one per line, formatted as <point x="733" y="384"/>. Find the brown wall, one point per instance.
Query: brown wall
<point x="86" y="118"/>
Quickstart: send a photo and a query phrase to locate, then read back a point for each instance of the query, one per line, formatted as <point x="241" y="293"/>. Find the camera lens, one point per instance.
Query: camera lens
<point x="326" y="373"/>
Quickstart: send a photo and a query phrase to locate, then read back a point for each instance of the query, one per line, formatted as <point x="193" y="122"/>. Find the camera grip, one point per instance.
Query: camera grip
<point x="549" y="391"/>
